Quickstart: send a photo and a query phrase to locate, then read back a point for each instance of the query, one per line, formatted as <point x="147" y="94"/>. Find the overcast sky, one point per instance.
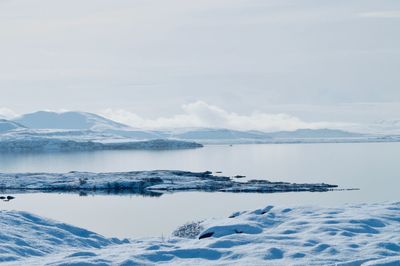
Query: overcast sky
<point x="145" y="61"/>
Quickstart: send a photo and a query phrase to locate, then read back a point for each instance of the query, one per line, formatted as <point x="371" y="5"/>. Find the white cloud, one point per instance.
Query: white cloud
<point x="7" y="113"/>
<point x="122" y="53"/>
<point x="201" y="114"/>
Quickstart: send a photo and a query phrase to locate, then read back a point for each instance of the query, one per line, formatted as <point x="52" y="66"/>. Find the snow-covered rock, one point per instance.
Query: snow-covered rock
<point x="144" y="182"/>
<point x="362" y="234"/>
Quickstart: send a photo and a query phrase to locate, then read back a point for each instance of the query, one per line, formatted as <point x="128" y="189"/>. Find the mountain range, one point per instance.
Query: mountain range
<point x="67" y="120"/>
<point x="74" y="123"/>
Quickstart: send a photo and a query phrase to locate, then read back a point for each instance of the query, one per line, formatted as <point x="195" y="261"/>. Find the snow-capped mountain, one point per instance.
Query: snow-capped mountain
<point x="91" y="122"/>
<point x="78" y="131"/>
<point x="68" y="121"/>
<point x="6" y="125"/>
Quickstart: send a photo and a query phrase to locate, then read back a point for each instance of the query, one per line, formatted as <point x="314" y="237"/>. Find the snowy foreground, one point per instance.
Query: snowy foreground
<point x="144" y="182"/>
<point x="347" y="235"/>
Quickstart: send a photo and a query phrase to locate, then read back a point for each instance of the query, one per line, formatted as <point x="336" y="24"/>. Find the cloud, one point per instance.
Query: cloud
<point x="7" y="113"/>
<point x="202" y="114"/>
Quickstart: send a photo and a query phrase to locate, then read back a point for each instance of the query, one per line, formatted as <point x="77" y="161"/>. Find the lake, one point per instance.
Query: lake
<point x="374" y="168"/>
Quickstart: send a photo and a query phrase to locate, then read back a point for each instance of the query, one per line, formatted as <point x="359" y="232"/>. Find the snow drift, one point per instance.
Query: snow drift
<point x="348" y="235"/>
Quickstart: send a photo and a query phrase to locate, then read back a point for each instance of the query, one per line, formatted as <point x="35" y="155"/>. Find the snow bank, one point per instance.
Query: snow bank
<point x="348" y="235"/>
<point x="25" y="235"/>
<point x="144" y="182"/>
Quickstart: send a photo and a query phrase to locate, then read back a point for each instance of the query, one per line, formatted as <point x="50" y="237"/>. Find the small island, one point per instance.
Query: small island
<point x="145" y="182"/>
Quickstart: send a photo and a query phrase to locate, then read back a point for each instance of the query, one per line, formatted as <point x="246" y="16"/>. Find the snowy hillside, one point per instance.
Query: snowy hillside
<point x="347" y="235"/>
<point x="68" y="120"/>
<point x="6" y="125"/>
<point x="78" y="131"/>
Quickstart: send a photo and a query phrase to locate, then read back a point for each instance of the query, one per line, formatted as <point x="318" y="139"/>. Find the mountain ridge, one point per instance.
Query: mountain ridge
<point x="67" y="120"/>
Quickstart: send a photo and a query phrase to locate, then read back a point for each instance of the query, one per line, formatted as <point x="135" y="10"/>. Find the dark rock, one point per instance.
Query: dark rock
<point x="206" y="235"/>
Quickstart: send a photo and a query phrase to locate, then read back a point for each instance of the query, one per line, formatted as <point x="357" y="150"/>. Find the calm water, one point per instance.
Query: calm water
<point x="372" y="167"/>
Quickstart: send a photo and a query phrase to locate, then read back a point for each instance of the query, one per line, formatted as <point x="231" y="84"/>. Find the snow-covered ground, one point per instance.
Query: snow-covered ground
<point x="144" y="182"/>
<point x="363" y="234"/>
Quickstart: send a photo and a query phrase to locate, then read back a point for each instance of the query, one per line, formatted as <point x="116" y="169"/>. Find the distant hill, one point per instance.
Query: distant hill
<point x="218" y="134"/>
<point x="68" y="120"/>
<point x="313" y="133"/>
<point x="227" y="135"/>
<point x="6" y="125"/>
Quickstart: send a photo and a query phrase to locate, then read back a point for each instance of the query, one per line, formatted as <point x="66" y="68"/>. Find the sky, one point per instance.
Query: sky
<point x="245" y="64"/>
